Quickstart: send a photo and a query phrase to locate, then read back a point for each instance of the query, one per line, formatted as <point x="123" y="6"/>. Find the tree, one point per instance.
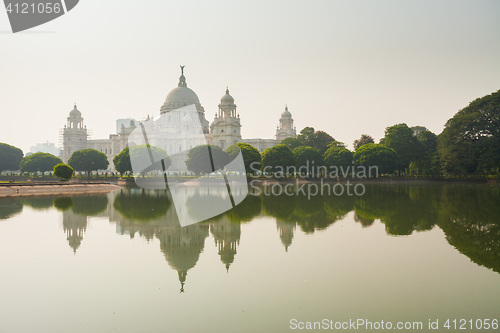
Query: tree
<point x="277" y="158"/>
<point x="251" y="156"/>
<point x="321" y="141"/>
<point x="315" y="139"/>
<point x="122" y="161"/>
<point x="10" y="157"/>
<point x="307" y="157"/>
<point x="39" y="162"/>
<point x="428" y="162"/>
<point x="88" y="160"/>
<point x="206" y="159"/>
<point x="306" y="136"/>
<point x="63" y="171"/>
<point x="335" y="143"/>
<point x="470" y="141"/>
<point x="400" y="138"/>
<point x="137" y="159"/>
<point x="373" y="154"/>
<point x="291" y="143"/>
<point x="338" y="156"/>
<point x="363" y="140"/>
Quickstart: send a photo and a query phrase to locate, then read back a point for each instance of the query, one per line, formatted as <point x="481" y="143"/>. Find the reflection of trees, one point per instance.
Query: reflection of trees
<point x="337" y="207"/>
<point x="278" y="206"/>
<point x="90" y="205"/>
<point x="469" y="216"/>
<point x="402" y="208"/>
<point x="416" y="209"/>
<point x="376" y="203"/>
<point x="310" y="213"/>
<point x="142" y="205"/>
<point x="365" y="223"/>
<point x="40" y="203"/>
<point x="63" y="203"/>
<point x="10" y="207"/>
<point x="246" y="211"/>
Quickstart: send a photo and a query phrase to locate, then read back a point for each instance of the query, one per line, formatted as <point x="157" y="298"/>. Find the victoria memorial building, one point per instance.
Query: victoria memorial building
<point x="223" y="131"/>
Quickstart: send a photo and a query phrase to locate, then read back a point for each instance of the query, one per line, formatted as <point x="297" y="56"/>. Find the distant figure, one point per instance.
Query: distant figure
<point x="182" y="70"/>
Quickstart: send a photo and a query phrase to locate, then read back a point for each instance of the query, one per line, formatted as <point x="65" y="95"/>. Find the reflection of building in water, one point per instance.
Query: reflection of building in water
<point x="226" y="236"/>
<point x="74" y="226"/>
<point x="286" y="230"/>
<point x="182" y="247"/>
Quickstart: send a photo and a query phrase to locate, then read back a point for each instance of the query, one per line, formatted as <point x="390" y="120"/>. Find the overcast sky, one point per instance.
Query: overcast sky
<point x="344" y="67"/>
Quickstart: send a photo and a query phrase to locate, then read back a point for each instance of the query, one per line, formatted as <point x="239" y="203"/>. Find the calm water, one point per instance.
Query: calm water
<point x="121" y="262"/>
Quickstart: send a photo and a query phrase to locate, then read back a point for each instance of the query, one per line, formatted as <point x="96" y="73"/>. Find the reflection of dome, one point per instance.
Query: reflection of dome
<point x="182" y="247"/>
<point x="75" y="113"/>
<point x="227" y="99"/>
<point x="286" y="113"/>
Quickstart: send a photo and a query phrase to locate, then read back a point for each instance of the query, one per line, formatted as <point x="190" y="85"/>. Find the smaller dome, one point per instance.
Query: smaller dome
<point x="227" y="99"/>
<point x="286" y="113"/>
<point x="75" y="113"/>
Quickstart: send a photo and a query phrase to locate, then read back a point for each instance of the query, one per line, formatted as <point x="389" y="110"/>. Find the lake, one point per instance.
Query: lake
<point x="275" y="263"/>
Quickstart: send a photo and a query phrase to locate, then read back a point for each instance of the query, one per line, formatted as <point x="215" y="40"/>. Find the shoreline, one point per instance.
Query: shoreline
<point x="10" y="190"/>
<point x="40" y="188"/>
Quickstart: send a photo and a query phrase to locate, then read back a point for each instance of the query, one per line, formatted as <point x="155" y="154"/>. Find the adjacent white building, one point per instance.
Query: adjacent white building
<point x="45" y="147"/>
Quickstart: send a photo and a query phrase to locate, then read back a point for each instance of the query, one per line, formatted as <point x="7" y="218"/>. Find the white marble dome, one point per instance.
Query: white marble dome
<point x="75" y="113"/>
<point x="180" y="97"/>
<point x="227" y="99"/>
<point x="286" y="113"/>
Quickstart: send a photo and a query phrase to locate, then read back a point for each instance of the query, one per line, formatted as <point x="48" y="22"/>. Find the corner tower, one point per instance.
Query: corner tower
<point x="285" y="128"/>
<point x="226" y="127"/>
<point x="74" y="135"/>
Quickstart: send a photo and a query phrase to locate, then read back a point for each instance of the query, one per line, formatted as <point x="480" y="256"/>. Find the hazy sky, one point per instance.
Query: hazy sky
<point x="345" y="67"/>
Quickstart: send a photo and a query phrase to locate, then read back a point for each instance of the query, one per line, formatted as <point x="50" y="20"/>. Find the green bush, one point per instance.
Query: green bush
<point x="63" y="171"/>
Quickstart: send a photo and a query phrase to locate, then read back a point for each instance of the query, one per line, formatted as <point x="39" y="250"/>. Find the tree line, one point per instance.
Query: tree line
<point x="469" y="145"/>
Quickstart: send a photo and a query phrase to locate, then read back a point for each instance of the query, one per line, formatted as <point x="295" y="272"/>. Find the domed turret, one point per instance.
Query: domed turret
<point x="286" y="113"/>
<point x="285" y="128"/>
<point x="227" y="99"/>
<point x="75" y="113"/>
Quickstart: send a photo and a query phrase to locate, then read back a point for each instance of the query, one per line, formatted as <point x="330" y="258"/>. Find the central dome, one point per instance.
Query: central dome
<point x="180" y="97"/>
